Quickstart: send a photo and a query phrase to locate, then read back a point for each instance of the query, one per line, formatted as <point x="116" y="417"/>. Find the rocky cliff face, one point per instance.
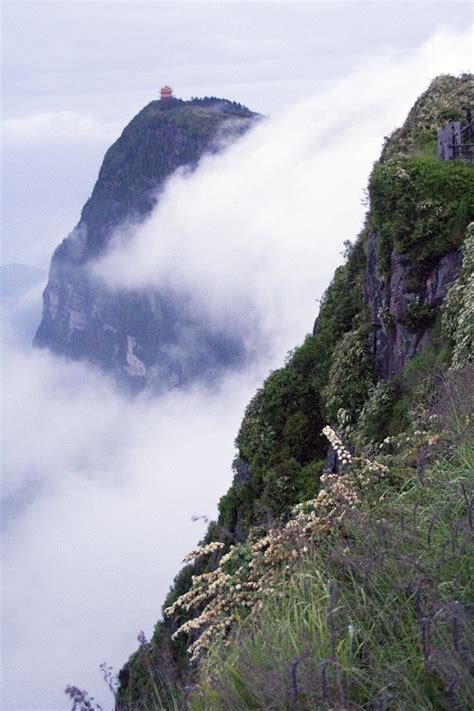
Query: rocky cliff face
<point x="142" y="337"/>
<point x="420" y="207"/>
<point x="390" y="300"/>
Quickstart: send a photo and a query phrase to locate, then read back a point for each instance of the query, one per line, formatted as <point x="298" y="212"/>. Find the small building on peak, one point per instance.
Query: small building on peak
<point x="456" y="139"/>
<point x="166" y="92"/>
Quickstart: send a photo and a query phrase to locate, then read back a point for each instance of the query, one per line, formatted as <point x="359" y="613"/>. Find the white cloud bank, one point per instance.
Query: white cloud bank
<point x="99" y="490"/>
<point x="255" y="232"/>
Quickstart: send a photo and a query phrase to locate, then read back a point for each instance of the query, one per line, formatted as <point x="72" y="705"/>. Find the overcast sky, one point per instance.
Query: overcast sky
<point x="109" y="58"/>
<point x="99" y="490"/>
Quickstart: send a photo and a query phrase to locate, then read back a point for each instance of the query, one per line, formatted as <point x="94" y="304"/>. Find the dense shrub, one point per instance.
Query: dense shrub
<point x="288" y="484"/>
<point x="350" y="376"/>
<point x="420" y="206"/>
<point x="373" y="422"/>
<point x="281" y="419"/>
<point x="341" y="305"/>
<point x="279" y="438"/>
<point x="420" y="315"/>
<point x="376" y="615"/>
<point x="458" y="309"/>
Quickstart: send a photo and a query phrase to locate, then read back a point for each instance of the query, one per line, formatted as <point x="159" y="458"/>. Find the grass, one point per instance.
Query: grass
<point x="379" y="616"/>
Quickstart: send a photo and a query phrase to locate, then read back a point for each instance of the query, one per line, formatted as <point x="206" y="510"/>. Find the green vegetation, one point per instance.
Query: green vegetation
<point x="458" y="309"/>
<point x="197" y="121"/>
<point x="445" y="100"/>
<point x="420" y="315"/>
<point x="350" y="376"/>
<point x="365" y="606"/>
<point x="386" y="411"/>
<point x="277" y="440"/>
<point x="377" y="616"/>
<point x="420" y="207"/>
<point x="381" y="415"/>
<point x="232" y="108"/>
<point x="341" y="307"/>
<point x="160" y="138"/>
<point x="280" y="438"/>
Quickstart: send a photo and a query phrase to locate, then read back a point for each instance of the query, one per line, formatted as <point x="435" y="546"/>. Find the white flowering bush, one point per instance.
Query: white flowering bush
<point x="249" y="572"/>
<point x="458" y="308"/>
<point x="208" y="549"/>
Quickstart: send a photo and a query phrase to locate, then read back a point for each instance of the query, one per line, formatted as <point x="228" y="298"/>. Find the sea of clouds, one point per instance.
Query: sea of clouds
<point x="99" y="489"/>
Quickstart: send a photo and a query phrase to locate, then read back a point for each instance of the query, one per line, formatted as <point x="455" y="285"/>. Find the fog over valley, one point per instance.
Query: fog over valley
<point x="104" y="491"/>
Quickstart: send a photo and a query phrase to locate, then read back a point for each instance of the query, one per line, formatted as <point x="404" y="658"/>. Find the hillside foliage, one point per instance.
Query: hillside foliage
<point x="420" y="206"/>
<point x="376" y="612"/>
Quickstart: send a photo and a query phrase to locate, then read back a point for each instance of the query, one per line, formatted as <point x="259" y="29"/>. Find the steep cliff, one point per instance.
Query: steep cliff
<point x="377" y="315"/>
<point x="377" y="345"/>
<point x="419" y="210"/>
<point x="132" y="334"/>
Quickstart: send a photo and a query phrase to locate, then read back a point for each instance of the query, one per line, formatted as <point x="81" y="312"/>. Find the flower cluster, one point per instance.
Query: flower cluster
<point x="205" y="550"/>
<point x="248" y="572"/>
<point x="216" y="595"/>
<point x="344" y="455"/>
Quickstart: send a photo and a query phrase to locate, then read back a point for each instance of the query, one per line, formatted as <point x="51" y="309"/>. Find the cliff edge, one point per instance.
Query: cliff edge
<point x="131" y="334"/>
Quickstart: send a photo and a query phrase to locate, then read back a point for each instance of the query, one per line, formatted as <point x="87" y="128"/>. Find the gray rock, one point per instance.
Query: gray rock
<point x="388" y="299"/>
<point x="152" y="337"/>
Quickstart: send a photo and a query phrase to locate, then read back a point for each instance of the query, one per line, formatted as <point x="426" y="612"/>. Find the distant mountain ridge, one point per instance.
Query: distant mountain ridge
<point x="132" y="334"/>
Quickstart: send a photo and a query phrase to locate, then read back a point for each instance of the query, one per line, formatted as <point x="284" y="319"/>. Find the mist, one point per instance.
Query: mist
<point x="100" y="489"/>
<point x="99" y="496"/>
<point x="256" y="232"/>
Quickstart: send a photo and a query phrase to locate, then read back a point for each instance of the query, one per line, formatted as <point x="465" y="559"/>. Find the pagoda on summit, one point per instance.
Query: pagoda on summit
<point x="166" y="93"/>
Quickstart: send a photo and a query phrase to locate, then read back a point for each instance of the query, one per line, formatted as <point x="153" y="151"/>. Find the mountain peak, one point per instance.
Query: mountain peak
<point x="129" y="334"/>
